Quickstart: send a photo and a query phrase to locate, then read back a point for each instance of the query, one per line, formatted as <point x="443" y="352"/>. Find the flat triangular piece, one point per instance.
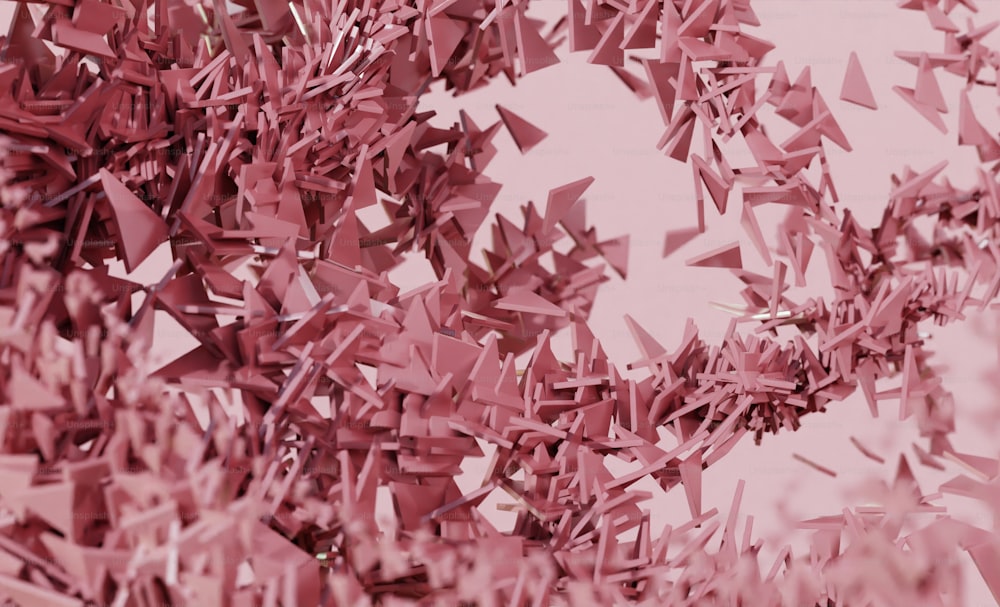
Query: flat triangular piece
<point x="523" y="300"/>
<point x="55" y="503"/>
<point x="970" y="131"/>
<point x="363" y="193"/>
<point x="17" y="471"/>
<point x="659" y="75"/>
<point x="140" y="229"/>
<point x="231" y="34"/>
<point x="670" y="22"/>
<point x="928" y="92"/>
<point x="680" y="145"/>
<point x="486" y="371"/>
<point x="748" y="220"/>
<point x="718" y="189"/>
<point x="727" y="256"/>
<point x="939" y="20"/>
<point x="676" y="239"/>
<point x="905" y="480"/>
<point x="925" y="110"/>
<point x="75" y="560"/>
<point x="828" y="126"/>
<point x="535" y="53"/>
<point x="648" y="345"/>
<point x="856" y="89"/>
<point x="444" y="36"/>
<point x="988" y="467"/>
<point x="699" y="19"/>
<point x="525" y="134"/>
<point x="796" y="106"/>
<point x="345" y="245"/>
<point x="986" y="556"/>
<point x="615" y="251"/>
<point x="561" y="200"/>
<point x="26" y="392"/>
<point x="609" y="49"/>
<point x="582" y="36"/>
<point x="690" y="470"/>
<point x="643" y="33"/>
<point x="780" y="84"/>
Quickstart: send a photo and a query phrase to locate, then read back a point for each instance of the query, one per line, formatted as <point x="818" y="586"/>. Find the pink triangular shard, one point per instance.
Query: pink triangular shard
<point x="939" y="20"/>
<point x="561" y="200"/>
<point x="27" y="392"/>
<point x="986" y="556"/>
<point x="524" y="300"/>
<point x="690" y="470"/>
<point x="444" y="36"/>
<point x="699" y="18"/>
<point x="796" y="106"/>
<point x="231" y="34"/>
<point x="345" y="243"/>
<point x="986" y="466"/>
<point x="582" y="36"/>
<point x="140" y="229"/>
<point x="856" y="88"/>
<point x="927" y="91"/>
<point x="609" y="49"/>
<point x="647" y="343"/>
<point x="364" y="193"/>
<point x="680" y="145"/>
<point x="780" y="84"/>
<point x="643" y="33"/>
<point x="535" y="53"/>
<point x="615" y="252"/>
<point x="525" y="134"/>
<point x="727" y="256"/>
<point x="676" y="239"/>
<point x="718" y="189"/>
<point x="970" y="131"/>
<point x="925" y="110"/>
<point x="670" y="23"/>
<point x="56" y="504"/>
<point x="748" y="220"/>
<point x="905" y="479"/>
<point x="660" y="75"/>
<point x="828" y="126"/>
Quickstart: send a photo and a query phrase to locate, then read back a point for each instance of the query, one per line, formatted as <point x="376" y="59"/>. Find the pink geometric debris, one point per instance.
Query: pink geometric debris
<point x="927" y="91"/>
<point x="525" y="134"/>
<point x="928" y="112"/>
<point x="855" y="88"/>
<point x="675" y="239"/>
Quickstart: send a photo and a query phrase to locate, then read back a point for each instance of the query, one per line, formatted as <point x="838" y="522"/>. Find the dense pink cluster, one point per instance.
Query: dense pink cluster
<point x="257" y="137"/>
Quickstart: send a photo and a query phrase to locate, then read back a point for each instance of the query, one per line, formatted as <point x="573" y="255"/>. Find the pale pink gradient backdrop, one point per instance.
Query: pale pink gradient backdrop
<point x="598" y="128"/>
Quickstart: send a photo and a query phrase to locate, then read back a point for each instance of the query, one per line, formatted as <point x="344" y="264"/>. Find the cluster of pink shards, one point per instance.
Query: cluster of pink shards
<point x="246" y="472"/>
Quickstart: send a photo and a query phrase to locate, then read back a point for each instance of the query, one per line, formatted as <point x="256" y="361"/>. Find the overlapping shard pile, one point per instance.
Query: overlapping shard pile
<point x="249" y="470"/>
